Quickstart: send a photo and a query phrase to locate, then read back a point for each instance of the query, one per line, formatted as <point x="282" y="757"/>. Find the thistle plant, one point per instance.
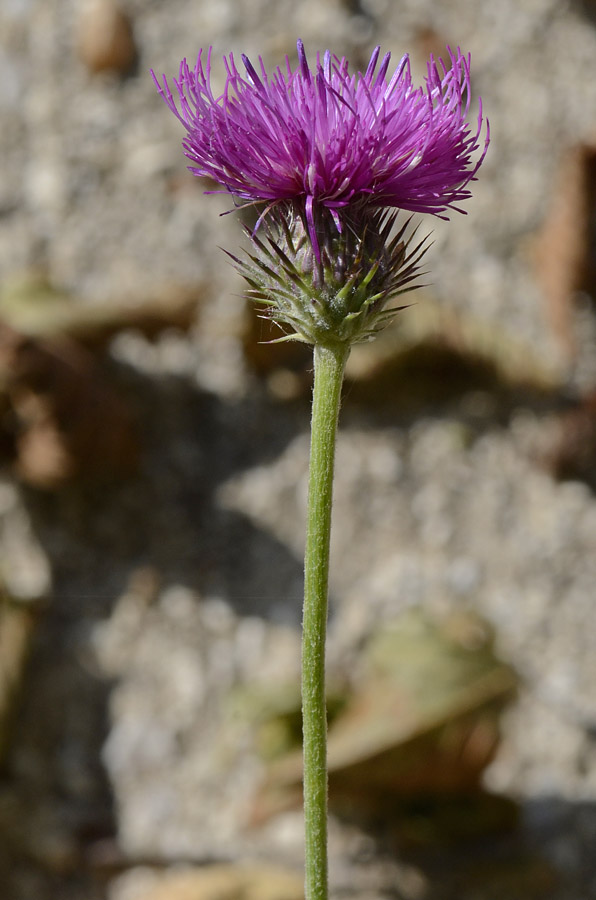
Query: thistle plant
<point x="329" y="159"/>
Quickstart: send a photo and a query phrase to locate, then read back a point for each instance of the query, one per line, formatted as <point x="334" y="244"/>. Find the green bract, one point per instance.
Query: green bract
<point x="343" y="297"/>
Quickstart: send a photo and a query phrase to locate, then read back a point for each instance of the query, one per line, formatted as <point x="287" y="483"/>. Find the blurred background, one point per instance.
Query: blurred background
<point x="153" y="456"/>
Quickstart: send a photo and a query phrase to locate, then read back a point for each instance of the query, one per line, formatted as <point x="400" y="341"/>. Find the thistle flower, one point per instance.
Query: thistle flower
<point x="331" y="157"/>
<point x="326" y="139"/>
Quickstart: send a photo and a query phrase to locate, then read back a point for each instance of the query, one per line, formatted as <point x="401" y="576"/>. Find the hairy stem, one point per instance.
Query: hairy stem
<point x="329" y="369"/>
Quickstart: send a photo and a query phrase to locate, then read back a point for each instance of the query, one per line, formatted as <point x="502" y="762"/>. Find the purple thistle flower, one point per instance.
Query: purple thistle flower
<point x="329" y="139"/>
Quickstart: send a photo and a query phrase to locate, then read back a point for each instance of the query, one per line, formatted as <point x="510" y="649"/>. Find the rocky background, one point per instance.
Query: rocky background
<point x="152" y="488"/>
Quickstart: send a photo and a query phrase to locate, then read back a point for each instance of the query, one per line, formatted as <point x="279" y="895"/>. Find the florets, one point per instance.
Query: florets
<point x="328" y="138"/>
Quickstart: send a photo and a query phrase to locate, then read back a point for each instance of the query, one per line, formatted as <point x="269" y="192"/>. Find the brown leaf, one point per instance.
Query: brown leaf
<point x="67" y="421"/>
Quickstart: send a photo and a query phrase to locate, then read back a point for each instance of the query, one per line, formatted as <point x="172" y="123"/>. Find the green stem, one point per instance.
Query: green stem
<point x="329" y="369"/>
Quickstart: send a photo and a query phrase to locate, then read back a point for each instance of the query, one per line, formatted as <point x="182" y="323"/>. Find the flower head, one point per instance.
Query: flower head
<point x="326" y="138"/>
<point x="331" y="157"/>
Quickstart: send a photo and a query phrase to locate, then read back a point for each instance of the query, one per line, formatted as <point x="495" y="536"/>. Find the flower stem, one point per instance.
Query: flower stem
<point x="329" y="369"/>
